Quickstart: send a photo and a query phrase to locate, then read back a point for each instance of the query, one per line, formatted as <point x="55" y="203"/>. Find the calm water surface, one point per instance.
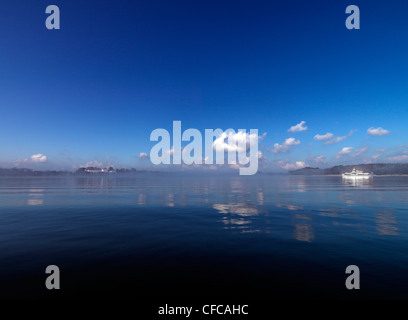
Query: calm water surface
<point x="168" y="235"/>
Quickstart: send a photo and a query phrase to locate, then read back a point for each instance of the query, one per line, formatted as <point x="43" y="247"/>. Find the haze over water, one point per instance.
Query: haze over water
<point x="148" y="235"/>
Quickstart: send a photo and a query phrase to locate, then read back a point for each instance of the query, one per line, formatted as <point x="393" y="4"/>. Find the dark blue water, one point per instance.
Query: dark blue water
<point x="151" y="235"/>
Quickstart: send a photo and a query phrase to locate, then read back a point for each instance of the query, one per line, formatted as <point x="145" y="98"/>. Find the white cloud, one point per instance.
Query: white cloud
<point x="344" y="151"/>
<point x="317" y="159"/>
<point x="339" y="139"/>
<point x="236" y="142"/>
<point x="359" y="152"/>
<point x="376" y="132"/>
<point x="292" y="166"/>
<point x="323" y="137"/>
<point x="170" y="152"/>
<point x="351" y="152"/>
<point x="399" y="158"/>
<point x="143" y="155"/>
<point x="93" y="163"/>
<point x="37" y="158"/>
<point x="299" y="127"/>
<point x="287" y="145"/>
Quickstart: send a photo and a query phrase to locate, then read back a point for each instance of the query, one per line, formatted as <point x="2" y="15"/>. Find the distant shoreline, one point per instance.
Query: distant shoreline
<point x="378" y="169"/>
<point x="339" y="175"/>
<point x="44" y="174"/>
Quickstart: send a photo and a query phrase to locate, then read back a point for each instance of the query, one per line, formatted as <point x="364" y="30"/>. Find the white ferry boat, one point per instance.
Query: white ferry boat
<point x="357" y="174"/>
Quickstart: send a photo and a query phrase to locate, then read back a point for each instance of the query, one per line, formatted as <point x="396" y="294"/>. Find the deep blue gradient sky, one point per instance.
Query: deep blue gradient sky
<point x="116" y="70"/>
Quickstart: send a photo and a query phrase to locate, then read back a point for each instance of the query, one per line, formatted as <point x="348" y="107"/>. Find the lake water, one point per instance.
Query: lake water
<point x="166" y="235"/>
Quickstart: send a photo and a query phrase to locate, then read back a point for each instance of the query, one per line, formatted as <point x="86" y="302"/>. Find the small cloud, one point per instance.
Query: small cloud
<point x="323" y="137"/>
<point x="32" y="160"/>
<point x="399" y="158"/>
<point x="339" y="139"/>
<point x="292" y="166"/>
<point x="287" y="145"/>
<point x="317" y="160"/>
<point x="236" y="142"/>
<point x="299" y="127"/>
<point x="380" y="150"/>
<point x="344" y="151"/>
<point x="359" y="152"/>
<point x="170" y="152"/>
<point x="93" y="163"/>
<point x="235" y="166"/>
<point x="37" y="158"/>
<point x="143" y="156"/>
<point x="377" y="132"/>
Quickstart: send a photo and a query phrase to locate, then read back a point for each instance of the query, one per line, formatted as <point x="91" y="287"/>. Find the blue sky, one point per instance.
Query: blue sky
<point x="94" y="90"/>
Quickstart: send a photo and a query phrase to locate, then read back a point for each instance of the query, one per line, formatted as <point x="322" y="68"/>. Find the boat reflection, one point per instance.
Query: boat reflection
<point x="357" y="182"/>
